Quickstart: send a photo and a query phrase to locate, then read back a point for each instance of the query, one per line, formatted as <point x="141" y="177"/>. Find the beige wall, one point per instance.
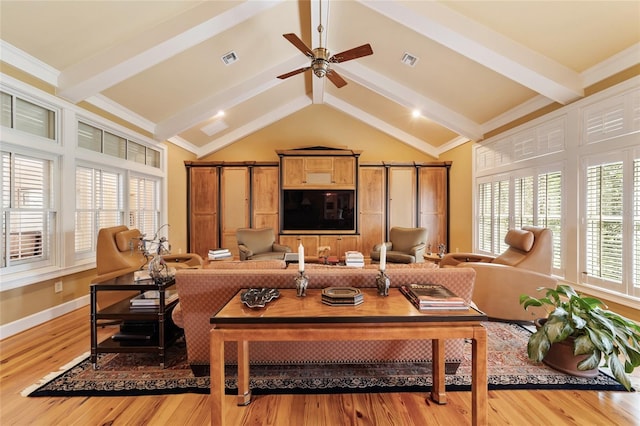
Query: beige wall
<point x="177" y="197"/>
<point x="460" y="197"/>
<point x="319" y="125"/>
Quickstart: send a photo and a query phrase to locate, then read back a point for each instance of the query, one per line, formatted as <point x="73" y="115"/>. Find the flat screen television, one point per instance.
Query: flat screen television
<point x="318" y="210"/>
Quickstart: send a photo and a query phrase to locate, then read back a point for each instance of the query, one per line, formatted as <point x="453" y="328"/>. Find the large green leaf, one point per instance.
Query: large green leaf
<point x="600" y="340"/>
<point x="618" y="372"/>
<point x="583" y="345"/>
<point x="538" y="346"/>
<point x="591" y="362"/>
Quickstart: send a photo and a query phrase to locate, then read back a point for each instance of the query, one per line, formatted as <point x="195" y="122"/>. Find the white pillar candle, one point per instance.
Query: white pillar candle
<point x="300" y="258"/>
<point x="383" y="257"/>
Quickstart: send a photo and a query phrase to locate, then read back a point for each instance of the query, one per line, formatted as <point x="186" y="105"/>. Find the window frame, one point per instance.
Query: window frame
<point x="66" y="155"/>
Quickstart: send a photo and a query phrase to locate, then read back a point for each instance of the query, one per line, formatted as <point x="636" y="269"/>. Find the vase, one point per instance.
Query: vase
<point x="560" y="357"/>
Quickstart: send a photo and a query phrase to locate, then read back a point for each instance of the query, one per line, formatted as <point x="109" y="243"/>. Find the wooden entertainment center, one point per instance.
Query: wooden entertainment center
<point x="361" y="201"/>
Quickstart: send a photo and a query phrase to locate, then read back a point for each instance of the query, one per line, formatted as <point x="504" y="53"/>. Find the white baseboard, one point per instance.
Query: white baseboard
<point x="26" y="323"/>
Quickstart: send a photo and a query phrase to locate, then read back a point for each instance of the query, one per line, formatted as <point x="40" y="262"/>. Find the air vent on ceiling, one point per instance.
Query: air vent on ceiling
<point x="229" y="58"/>
<point x="409" y="59"/>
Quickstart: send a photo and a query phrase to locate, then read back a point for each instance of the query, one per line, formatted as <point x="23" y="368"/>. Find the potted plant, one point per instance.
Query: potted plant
<point x="596" y="332"/>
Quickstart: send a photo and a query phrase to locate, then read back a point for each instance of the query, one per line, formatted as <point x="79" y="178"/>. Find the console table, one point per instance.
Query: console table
<point x="292" y="318"/>
<point x="157" y="317"/>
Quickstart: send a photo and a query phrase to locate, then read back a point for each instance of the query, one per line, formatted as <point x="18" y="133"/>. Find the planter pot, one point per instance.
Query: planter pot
<point x="560" y="357"/>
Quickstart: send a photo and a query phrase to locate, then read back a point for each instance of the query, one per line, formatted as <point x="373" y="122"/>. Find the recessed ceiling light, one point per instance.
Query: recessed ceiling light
<point x="416" y="113"/>
<point x="229" y="58"/>
<point x="409" y="59"/>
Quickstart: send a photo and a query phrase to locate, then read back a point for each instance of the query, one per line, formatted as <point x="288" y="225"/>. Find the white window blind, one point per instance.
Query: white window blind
<point x="549" y="214"/>
<point x="523" y="201"/>
<point x="144" y="204"/>
<point x="26" y="214"/>
<point x="501" y="215"/>
<point x="99" y="204"/>
<point x="485" y="217"/>
<point x="636" y="224"/>
<point x="604" y="215"/>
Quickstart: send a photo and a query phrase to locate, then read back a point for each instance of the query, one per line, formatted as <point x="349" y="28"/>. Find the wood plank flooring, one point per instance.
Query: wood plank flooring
<point x="29" y="356"/>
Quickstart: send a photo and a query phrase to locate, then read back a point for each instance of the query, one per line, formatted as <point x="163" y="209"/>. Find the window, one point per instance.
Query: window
<point x="144" y="204"/>
<point x="98" y="140"/>
<point x="28" y="117"/>
<point x="99" y="204"/>
<point x="577" y="172"/>
<point x="27" y="218"/>
<point x="535" y="199"/>
<point x="636" y="225"/>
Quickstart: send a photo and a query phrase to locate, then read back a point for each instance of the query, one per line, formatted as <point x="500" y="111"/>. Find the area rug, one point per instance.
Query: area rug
<point x="140" y="374"/>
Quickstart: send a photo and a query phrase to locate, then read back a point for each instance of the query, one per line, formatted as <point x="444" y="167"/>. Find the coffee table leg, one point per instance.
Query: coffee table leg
<point x="438" y="387"/>
<point x="479" y="391"/>
<point x="216" y="365"/>
<point x="244" y="393"/>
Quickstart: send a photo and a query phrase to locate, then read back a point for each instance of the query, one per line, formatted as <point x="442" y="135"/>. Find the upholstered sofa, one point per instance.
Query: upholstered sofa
<point x="204" y="291"/>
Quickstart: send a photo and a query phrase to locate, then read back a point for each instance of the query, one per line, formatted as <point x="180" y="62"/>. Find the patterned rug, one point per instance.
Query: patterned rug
<point x="140" y="374"/>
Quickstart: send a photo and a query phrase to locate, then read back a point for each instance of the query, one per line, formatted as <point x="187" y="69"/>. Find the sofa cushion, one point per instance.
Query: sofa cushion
<point x="124" y="239"/>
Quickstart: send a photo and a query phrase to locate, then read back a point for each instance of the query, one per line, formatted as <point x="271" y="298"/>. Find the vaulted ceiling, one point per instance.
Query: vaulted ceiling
<point x="479" y="64"/>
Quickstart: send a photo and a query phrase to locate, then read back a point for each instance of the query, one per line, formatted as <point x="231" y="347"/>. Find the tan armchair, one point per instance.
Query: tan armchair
<point x="118" y="253"/>
<point x="524" y="267"/>
<point x="405" y="245"/>
<point x="259" y="244"/>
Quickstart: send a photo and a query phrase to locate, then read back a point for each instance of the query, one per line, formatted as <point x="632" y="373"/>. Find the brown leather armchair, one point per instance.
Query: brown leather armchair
<point x="405" y="245"/>
<point x="118" y="253"/>
<point x="524" y="267"/>
<point x="259" y="244"/>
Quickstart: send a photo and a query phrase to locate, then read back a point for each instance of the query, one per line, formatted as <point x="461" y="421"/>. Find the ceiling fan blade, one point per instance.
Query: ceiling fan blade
<point x="295" y="40"/>
<point x="336" y="79"/>
<point x="356" y="52"/>
<point x="292" y="73"/>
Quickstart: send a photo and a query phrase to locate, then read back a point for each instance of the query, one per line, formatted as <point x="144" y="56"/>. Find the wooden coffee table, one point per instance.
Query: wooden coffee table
<point x="291" y="318"/>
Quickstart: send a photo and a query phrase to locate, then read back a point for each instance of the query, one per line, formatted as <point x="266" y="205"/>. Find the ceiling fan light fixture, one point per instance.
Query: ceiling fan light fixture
<point x="320" y="67"/>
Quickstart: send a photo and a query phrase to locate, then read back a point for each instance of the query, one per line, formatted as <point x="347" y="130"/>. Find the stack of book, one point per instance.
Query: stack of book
<point x="151" y="299"/>
<point x="342" y="296"/>
<point x="354" y="259"/>
<point x="433" y="297"/>
<point x="217" y="254"/>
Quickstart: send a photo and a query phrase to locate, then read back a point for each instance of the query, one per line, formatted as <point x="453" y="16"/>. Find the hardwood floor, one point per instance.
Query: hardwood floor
<point x="29" y="356"/>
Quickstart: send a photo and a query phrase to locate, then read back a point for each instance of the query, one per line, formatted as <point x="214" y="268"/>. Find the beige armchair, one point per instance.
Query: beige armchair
<point x="118" y="253"/>
<point x="259" y="244"/>
<point x="405" y="245"/>
<point x="524" y="267"/>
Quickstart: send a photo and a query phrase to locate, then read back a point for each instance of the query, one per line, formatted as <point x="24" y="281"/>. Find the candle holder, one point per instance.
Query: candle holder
<point x="383" y="283"/>
<point x="302" y="281"/>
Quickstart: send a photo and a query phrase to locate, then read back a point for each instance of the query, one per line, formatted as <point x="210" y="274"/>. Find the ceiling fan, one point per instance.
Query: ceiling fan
<point x="321" y="59"/>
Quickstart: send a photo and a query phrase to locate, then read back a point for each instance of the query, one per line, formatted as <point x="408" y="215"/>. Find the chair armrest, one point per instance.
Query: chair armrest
<point x="454" y="259"/>
<point x="498" y="288"/>
<point x="244" y="252"/>
<point x="377" y="247"/>
<point x="415" y="250"/>
<point x="281" y="248"/>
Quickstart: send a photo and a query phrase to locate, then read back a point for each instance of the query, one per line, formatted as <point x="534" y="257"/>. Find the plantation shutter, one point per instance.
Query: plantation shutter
<point x="144" y="202"/>
<point x="501" y="215"/>
<point x="604" y="209"/>
<point x="636" y="225"/>
<point x="523" y="201"/>
<point x="485" y="217"/>
<point x="25" y="212"/>
<point x="98" y="205"/>
<point x="550" y="211"/>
